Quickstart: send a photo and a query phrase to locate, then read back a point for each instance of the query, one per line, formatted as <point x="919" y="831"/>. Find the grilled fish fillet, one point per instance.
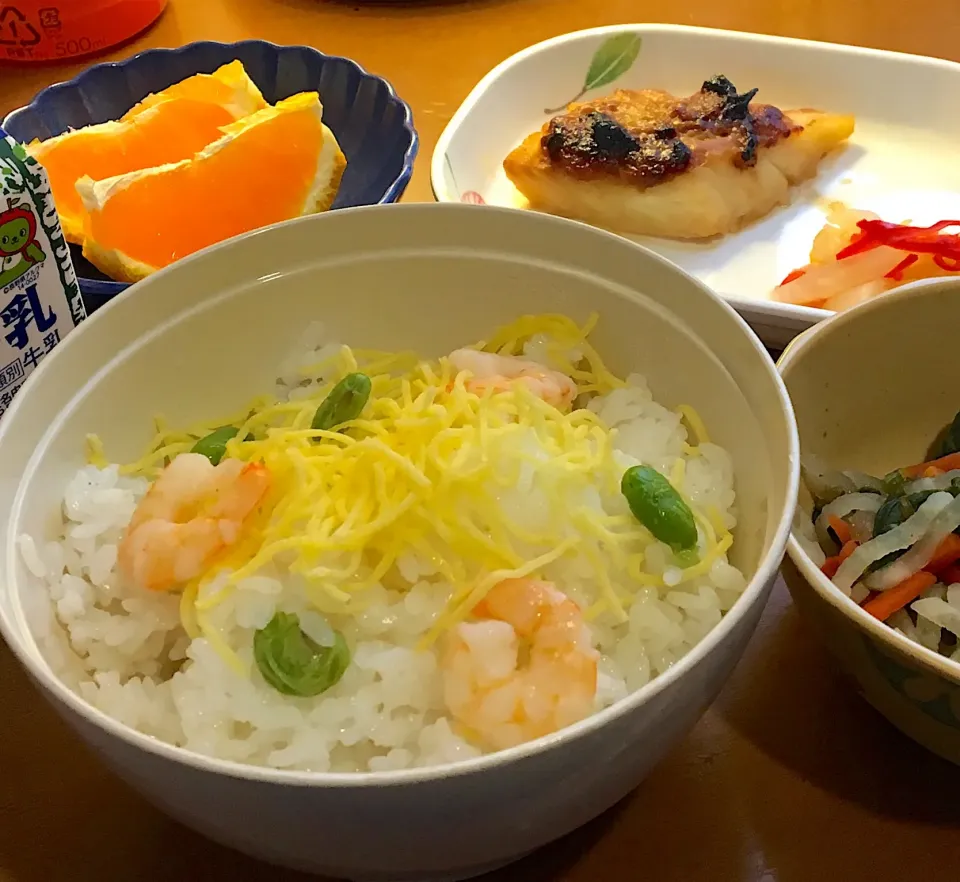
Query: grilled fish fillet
<point x="648" y="163"/>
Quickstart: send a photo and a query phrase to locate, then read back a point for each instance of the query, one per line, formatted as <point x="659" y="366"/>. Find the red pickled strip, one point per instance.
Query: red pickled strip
<point x="897" y="272"/>
<point x="792" y="276"/>
<point x="863" y="241"/>
<point x="919" y="240"/>
<point x="949" y="263"/>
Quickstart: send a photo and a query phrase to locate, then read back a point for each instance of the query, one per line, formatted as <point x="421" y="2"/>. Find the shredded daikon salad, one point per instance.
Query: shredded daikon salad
<point x="892" y="544"/>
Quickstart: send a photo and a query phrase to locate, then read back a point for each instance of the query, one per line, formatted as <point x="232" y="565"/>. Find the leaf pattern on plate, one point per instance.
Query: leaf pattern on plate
<point x="614" y="57"/>
<point x="471" y="197"/>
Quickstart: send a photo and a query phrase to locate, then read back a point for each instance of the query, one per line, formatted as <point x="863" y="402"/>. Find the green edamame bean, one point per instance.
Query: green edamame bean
<point x="657" y="505"/>
<point x="214" y="445"/>
<point x="344" y="403"/>
<point x="292" y="663"/>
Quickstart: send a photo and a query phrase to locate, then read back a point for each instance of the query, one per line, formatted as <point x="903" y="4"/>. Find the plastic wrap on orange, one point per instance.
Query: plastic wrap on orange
<point x="38" y="31"/>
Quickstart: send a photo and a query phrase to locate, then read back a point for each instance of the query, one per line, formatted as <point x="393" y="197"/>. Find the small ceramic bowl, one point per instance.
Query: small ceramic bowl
<point x="871" y="388"/>
<point x="428" y="278"/>
<point x="373" y="125"/>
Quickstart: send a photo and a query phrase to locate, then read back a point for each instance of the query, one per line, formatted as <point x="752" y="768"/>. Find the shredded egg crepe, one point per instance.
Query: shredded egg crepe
<point x="430" y="467"/>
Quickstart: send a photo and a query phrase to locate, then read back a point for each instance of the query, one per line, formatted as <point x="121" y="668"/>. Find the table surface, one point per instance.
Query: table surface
<point x="789" y="776"/>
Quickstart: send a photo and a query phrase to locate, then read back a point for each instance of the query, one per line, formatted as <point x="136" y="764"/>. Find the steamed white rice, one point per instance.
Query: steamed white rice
<point x="126" y="653"/>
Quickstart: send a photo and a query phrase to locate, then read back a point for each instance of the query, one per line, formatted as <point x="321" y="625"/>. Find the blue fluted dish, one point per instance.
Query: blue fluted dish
<point x="372" y="124"/>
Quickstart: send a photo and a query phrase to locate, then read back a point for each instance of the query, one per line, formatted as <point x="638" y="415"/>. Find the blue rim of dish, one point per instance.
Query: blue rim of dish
<point x="393" y="193"/>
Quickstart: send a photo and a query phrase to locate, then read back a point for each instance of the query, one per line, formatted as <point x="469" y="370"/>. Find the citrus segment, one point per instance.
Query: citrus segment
<point x="167" y="132"/>
<point x="228" y="86"/>
<point x="276" y="164"/>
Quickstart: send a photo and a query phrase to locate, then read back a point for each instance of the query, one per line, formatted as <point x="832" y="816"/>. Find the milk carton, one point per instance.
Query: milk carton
<point x="40" y="300"/>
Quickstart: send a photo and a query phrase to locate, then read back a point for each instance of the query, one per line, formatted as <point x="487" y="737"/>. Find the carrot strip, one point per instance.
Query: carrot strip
<point x="841" y="528"/>
<point x="886" y="603"/>
<point x="830" y="566"/>
<point x="849" y="547"/>
<point x="945" y="464"/>
<point x="947" y="554"/>
<point x="950" y="575"/>
<point x="932" y="472"/>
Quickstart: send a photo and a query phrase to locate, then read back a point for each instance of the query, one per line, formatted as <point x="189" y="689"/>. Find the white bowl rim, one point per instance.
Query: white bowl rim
<point x="766" y="570"/>
<point x="882" y="632"/>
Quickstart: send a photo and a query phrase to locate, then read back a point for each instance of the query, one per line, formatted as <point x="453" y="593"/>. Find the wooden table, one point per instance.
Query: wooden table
<point x="788" y="777"/>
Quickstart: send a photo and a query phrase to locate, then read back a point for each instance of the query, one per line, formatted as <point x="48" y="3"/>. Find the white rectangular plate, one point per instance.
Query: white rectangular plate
<point x="900" y="163"/>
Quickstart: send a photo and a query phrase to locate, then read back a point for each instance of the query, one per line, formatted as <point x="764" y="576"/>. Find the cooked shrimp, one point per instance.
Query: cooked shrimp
<point x="190" y="513"/>
<point x="502" y="699"/>
<point x="497" y="372"/>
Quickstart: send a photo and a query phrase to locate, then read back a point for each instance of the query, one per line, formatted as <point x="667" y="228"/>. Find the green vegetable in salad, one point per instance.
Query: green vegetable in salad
<point x="891" y="514"/>
<point x="894" y="483"/>
<point x="898" y="509"/>
<point x="947" y="441"/>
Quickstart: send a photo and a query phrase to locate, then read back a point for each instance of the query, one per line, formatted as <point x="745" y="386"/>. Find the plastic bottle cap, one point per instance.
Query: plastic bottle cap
<point x="33" y="31"/>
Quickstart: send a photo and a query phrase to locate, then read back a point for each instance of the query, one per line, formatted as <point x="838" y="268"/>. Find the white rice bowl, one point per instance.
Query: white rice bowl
<point x="126" y="652"/>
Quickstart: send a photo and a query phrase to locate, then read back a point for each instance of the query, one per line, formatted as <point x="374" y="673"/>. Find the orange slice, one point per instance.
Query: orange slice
<point x="276" y="164"/>
<point x="228" y="86"/>
<point x="168" y="132"/>
<point x="165" y="127"/>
